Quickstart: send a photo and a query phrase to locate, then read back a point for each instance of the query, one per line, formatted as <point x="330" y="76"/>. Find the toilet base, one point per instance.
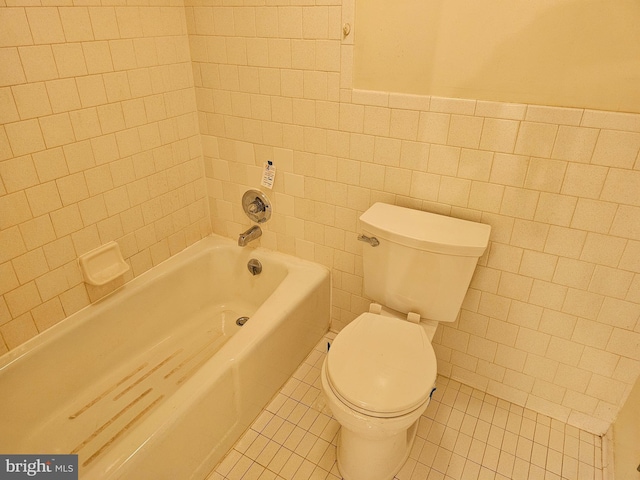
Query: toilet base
<point x="361" y="458"/>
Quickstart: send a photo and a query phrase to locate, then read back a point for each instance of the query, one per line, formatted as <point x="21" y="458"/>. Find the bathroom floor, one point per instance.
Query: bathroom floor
<point x="463" y="435"/>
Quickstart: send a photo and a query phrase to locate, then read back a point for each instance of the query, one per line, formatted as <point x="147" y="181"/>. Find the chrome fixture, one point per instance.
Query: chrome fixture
<point x="373" y="241"/>
<point x="251" y="234"/>
<point x="241" y="321"/>
<point x="256" y="205"/>
<point x="254" y="266"/>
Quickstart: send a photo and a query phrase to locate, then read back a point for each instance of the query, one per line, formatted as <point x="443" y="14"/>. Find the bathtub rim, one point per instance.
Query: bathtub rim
<point x="129" y="288"/>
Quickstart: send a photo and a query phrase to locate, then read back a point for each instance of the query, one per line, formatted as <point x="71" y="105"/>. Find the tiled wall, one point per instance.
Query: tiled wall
<point x="551" y="320"/>
<point x="98" y="142"/>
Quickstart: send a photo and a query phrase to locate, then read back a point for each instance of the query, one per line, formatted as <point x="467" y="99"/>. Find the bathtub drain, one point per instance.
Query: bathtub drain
<point x="241" y="321"/>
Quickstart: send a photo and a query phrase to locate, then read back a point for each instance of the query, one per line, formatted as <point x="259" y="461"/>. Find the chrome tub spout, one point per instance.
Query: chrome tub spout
<point x="251" y="234"/>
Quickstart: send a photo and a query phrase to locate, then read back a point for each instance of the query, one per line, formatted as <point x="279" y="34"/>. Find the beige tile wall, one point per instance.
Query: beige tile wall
<point x="98" y="141"/>
<point x="551" y="320"/>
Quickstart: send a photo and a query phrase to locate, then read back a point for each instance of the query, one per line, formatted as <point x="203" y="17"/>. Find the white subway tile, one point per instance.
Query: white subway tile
<point x="536" y="343"/>
<point x="506" y="111"/>
<point x="555" y="209"/>
<point x="387" y="151"/>
<point x="452" y="105"/>
<point x="555" y="115"/>
<point x="616" y="149"/>
<point x="545" y="175"/>
<point x="377" y="120"/>
<point x="603" y="249"/>
<point x="627" y="222"/>
<point x="538" y="265"/>
<point x="465" y="131"/>
<point x="547" y="294"/>
<point x="621" y="186"/>
<point x="486" y="196"/>
<point x="315" y="22"/>
<point x="433" y="127"/>
<point x="370" y="97"/>
<point x="45" y="25"/>
<point x="557" y="324"/>
<point x="475" y="164"/>
<point x="519" y="203"/>
<point x="627" y="370"/>
<point x="575" y="144"/>
<point x="565" y="242"/>
<point x="623" y="343"/>
<point x="598" y="361"/>
<point x="583" y="304"/>
<point x="454" y="191"/>
<point x="606" y="389"/>
<point x="509" y="170"/>
<point x="409" y="101"/>
<point x="536" y="139"/>
<point x="499" y="135"/>
<point x="573" y="273"/>
<point x="610" y="282"/>
<point x="404" y="124"/>
<point x="629" y="122"/>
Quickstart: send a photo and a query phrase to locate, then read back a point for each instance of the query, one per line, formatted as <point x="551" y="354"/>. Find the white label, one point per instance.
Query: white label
<point x="268" y="175"/>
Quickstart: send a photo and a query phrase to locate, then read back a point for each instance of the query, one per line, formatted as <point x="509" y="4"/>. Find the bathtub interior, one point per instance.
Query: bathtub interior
<point x="99" y="373"/>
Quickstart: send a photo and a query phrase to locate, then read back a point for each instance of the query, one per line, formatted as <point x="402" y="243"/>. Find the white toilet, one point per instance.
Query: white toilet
<point x="380" y="371"/>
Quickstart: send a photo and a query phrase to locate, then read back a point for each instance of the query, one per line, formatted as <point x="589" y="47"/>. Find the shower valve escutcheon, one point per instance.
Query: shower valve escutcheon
<point x="256" y="206"/>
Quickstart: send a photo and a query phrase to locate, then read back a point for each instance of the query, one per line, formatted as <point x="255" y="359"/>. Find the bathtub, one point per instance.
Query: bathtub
<point x="157" y="381"/>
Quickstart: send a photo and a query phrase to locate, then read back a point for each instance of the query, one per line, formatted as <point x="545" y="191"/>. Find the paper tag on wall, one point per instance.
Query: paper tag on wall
<point x="268" y="174"/>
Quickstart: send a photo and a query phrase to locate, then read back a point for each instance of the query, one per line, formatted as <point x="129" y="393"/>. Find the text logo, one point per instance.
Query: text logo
<point x="39" y="467"/>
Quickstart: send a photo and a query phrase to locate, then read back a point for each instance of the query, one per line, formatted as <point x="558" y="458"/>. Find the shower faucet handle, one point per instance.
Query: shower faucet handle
<point x="256" y="206"/>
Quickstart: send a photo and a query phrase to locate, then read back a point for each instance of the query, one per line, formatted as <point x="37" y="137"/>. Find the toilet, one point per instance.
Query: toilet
<point x="380" y="371"/>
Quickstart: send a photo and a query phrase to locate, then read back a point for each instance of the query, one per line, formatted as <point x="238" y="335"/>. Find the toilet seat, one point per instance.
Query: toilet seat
<point x="382" y="366"/>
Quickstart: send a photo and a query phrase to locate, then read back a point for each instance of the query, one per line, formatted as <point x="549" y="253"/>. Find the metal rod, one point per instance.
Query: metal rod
<point x="373" y="241"/>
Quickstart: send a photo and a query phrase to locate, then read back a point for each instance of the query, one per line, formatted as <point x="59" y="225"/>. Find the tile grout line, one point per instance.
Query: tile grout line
<point x="464" y="434"/>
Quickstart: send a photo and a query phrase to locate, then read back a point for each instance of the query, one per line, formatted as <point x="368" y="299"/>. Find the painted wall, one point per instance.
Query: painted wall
<point x="626" y="438"/>
<point x="551" y="320"/>
<point x="98" y="142"/>
<point x="567" y="53"/>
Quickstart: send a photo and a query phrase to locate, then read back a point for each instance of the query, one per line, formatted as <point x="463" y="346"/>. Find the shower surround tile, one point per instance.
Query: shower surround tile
<point x="99" y="141"/>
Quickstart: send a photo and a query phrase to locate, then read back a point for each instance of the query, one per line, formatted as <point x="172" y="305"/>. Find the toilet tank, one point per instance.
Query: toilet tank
<point x="423" y="262"/>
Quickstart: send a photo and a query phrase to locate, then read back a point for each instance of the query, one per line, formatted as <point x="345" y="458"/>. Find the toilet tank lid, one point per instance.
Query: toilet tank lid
<point x="426" y="231"/>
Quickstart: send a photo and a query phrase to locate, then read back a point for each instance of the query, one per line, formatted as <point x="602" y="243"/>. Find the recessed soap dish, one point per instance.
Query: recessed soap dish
<point x="103" y="264"/>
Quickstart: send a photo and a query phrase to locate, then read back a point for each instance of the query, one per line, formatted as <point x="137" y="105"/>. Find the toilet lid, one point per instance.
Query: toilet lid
<point x="382" y="365"/>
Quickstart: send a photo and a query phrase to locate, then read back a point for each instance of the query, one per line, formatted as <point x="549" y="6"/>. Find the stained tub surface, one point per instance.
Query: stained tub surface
<point x="157" y="380"/>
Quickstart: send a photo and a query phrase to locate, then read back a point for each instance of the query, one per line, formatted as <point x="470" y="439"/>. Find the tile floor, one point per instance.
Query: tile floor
<point x="463" y="435"/>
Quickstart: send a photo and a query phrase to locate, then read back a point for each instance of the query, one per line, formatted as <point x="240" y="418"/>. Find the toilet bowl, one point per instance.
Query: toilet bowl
<point x="377" y="379"/>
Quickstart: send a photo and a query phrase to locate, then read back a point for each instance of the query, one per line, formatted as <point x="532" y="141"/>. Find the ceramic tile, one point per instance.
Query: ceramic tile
<point x="464" y="434"/>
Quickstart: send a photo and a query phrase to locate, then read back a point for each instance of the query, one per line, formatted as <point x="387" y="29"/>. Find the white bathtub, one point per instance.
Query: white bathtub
<point x="157" y="381"/>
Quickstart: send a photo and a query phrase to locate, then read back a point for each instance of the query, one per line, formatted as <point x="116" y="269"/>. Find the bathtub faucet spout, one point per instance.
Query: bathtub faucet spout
<point x="251" y="234"/>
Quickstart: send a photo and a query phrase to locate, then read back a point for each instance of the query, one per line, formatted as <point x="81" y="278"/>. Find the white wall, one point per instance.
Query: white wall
<point x="570" y="53"/>
<point x="626" y="438"/>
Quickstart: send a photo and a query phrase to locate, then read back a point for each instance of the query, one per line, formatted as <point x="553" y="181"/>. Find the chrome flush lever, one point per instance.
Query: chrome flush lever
<point x="373" y="241"/>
